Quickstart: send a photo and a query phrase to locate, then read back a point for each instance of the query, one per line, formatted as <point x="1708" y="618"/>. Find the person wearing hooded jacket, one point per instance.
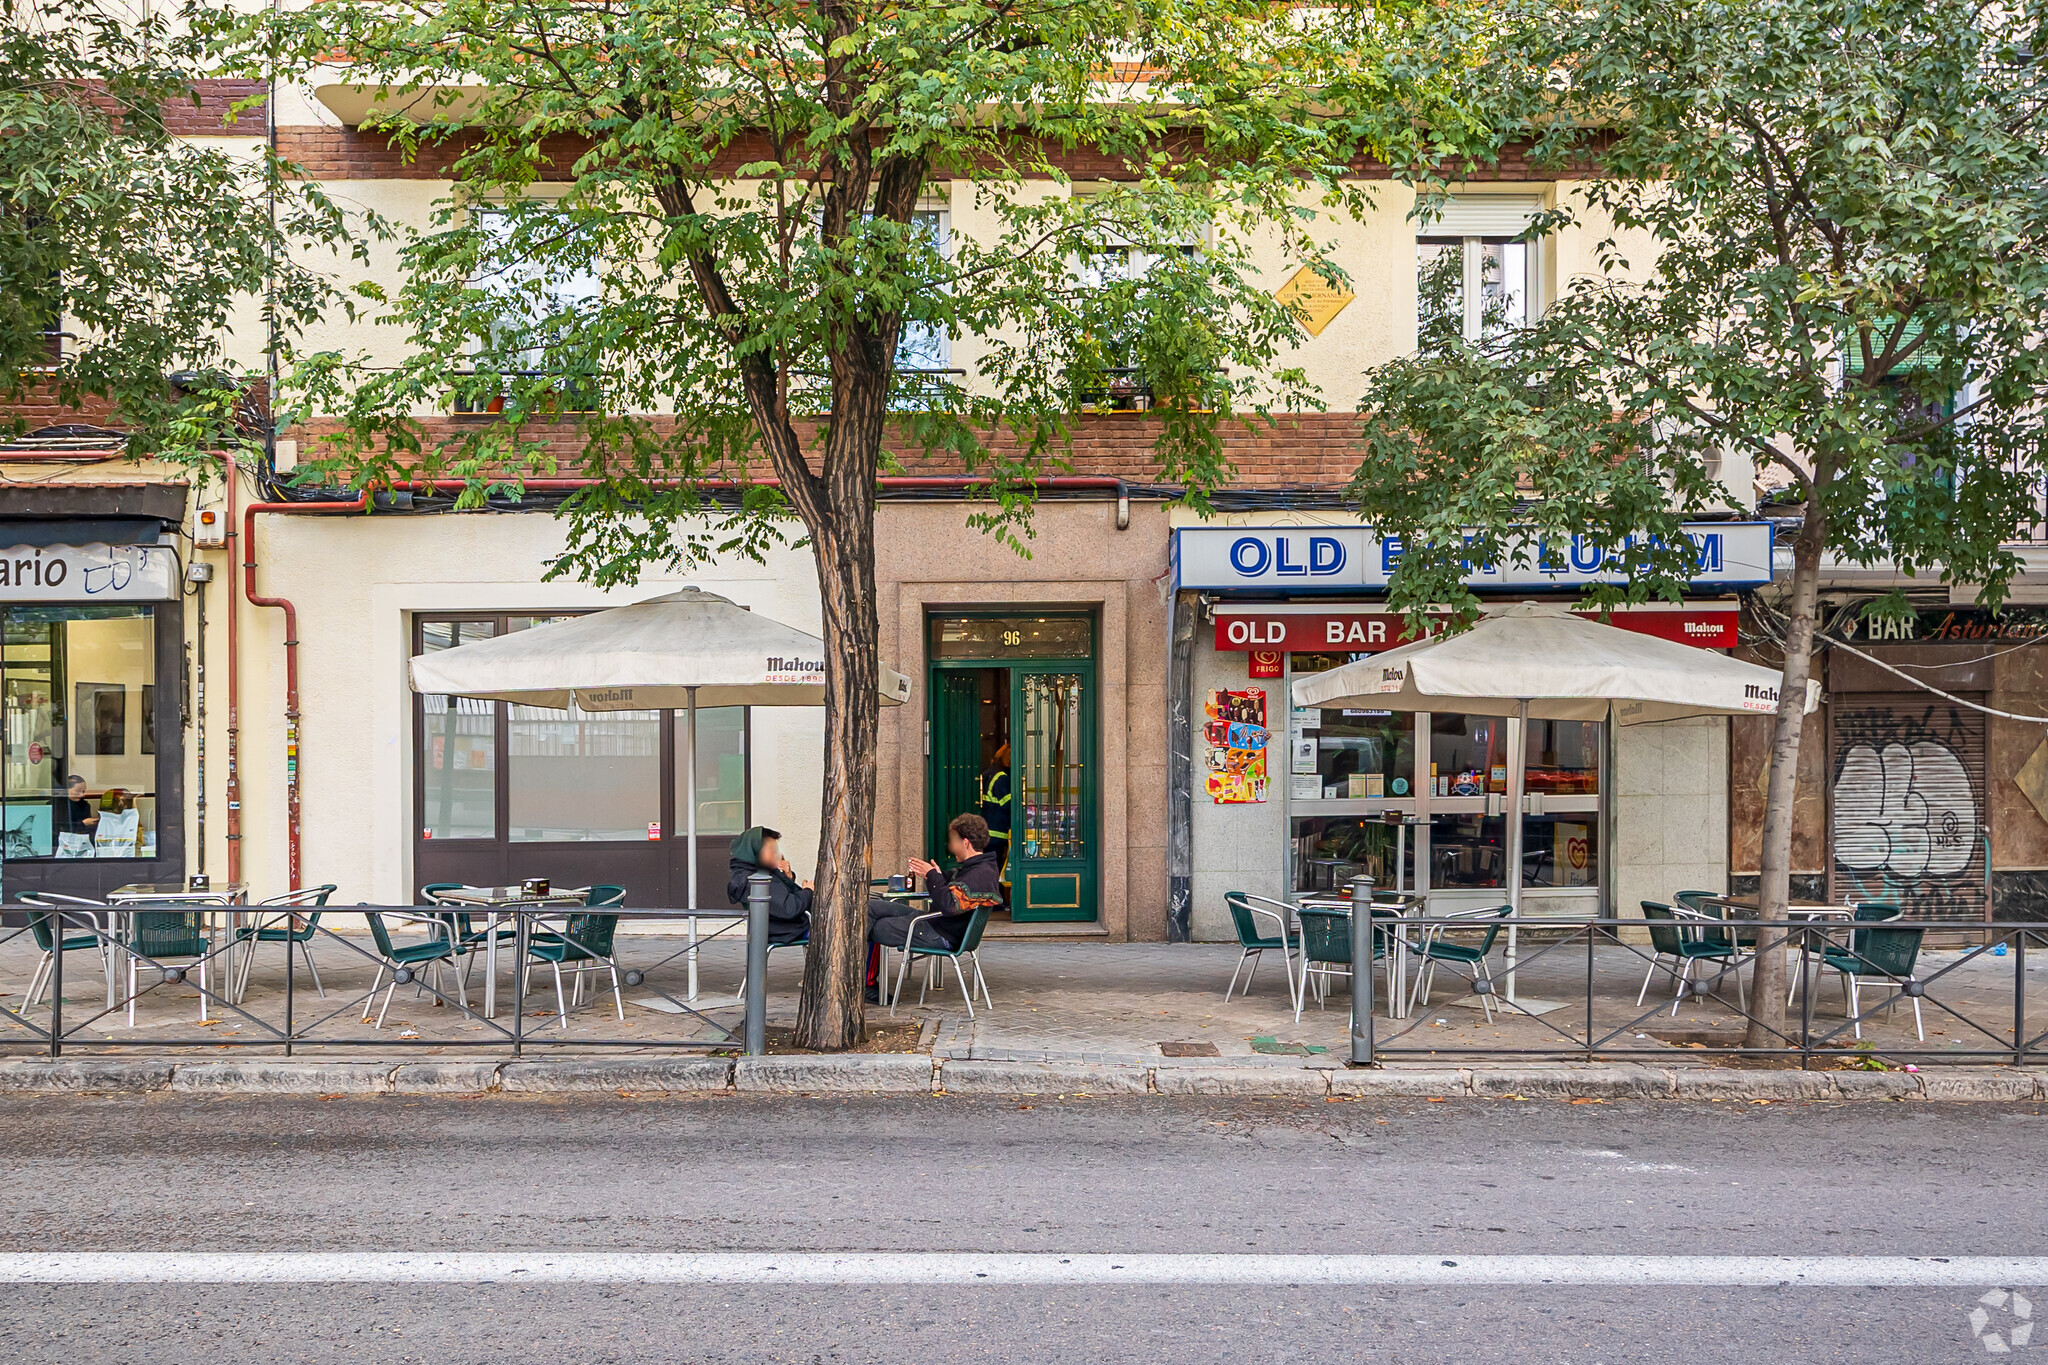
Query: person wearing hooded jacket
<point x="789" y="901"/>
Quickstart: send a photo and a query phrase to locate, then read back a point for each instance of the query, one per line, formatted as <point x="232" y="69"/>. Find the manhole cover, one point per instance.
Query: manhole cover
<point x="1188" y="1050"/>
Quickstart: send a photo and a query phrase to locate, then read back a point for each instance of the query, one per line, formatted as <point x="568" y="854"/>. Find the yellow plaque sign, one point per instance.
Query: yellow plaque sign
<point x="1315" y="300"/>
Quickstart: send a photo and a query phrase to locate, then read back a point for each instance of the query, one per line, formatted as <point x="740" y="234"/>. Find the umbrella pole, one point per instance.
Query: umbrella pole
<point x="1518" y="776"/>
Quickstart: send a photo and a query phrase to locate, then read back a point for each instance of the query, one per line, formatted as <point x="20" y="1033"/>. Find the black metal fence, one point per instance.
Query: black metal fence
<point x="141" y="956"/>
<point x="1859" y="991"/>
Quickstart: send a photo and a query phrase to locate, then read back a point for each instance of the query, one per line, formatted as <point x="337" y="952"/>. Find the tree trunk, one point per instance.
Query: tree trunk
<point x="829" y="1017"/>
<point x="1767" y="989"/>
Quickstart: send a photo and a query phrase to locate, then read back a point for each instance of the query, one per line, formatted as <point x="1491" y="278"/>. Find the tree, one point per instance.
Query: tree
<point x="124" y="250"/>
<point x="699" y="223"/>
<point x="1820" y="229"/>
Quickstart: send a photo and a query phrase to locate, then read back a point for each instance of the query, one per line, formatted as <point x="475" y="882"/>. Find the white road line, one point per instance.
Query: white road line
<point x="972" y="1268"/>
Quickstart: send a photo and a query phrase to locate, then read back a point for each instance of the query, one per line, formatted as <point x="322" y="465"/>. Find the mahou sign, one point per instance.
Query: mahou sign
<point x="1240" y="629"/>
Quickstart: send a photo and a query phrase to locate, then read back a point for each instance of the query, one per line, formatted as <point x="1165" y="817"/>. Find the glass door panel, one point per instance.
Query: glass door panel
<point x="1053" y="790"/>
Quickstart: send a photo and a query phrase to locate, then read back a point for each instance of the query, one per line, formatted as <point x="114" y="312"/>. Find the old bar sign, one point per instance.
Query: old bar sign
<point x="1368" y="632"/>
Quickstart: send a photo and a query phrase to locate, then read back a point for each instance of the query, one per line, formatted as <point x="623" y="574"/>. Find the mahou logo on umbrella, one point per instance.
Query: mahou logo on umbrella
<point x="795" y="672"/>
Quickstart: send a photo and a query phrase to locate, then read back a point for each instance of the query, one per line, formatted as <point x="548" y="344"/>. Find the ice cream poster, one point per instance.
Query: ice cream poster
<point x="1234" y="730"/>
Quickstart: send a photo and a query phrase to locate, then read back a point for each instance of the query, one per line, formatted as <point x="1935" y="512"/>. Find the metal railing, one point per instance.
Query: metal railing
<point x="216" y="951"/>
<point x="1577" y="990"/>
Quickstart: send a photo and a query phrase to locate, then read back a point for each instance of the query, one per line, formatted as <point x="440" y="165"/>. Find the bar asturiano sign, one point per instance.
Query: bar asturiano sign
<point x="1368" y="632"/>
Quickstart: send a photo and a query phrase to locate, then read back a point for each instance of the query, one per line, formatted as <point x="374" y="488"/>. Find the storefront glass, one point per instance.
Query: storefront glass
<point x="459" y="747"/>
<point x="721" y="769"/>
<point x="1351" y="769"/>
<point x="78" y="706"/>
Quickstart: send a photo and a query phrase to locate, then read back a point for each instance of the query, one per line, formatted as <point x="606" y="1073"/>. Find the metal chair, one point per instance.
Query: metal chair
<point x="1684" y="945"/>
<point x="154" y="935"/>
<point x="970" y="949"/>
<point x="584" y="945"/>
<point x="1434" y="948"/>
<point x="1254" y="944"/>
<point x="439" y="950"/>
<point x="1696" y="901"/>
<point x="47" y="931"/>
<point x="1884" y="953"/>
<point x="1326" y="939"/>
<point x="297" y="931"/>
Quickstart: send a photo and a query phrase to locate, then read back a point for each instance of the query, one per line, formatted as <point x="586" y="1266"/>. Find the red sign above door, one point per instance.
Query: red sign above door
<point x="1368" y="632"/>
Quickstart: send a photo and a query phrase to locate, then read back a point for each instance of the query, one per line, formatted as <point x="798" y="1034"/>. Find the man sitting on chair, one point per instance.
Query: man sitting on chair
<point x="974" y="885"/>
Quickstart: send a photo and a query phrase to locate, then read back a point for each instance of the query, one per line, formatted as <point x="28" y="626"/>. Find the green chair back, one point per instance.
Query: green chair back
<point x="1325" y="934"/>
<point x="1884" y="952"/>
<point x="605" y="895"/>
<point x="976" y="923"/>
<point x="169" y="933"/>
<point x="1664" y="935"/>
<point x="433" y="889"/>
<point x="382" y="935"/>
<point x="591" y="935"/>
<point x="1500" y="920"/>
<point x="1249" y="934"/>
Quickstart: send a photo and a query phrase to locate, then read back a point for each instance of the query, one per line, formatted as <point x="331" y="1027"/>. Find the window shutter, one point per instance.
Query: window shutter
<point x="1483" y="215"/>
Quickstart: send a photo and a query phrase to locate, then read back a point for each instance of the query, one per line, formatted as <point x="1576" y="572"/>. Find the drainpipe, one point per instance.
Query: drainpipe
<point x="232" y="478"/>
<point x="291" y="655"/>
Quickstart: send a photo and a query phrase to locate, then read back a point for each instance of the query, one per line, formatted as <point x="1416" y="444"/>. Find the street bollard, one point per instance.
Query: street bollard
<point x="1361" y="971"/>
<point x="757" y="964"/>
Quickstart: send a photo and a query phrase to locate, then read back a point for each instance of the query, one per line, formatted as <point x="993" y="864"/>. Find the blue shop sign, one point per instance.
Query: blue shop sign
<point x="1297" y="559"/>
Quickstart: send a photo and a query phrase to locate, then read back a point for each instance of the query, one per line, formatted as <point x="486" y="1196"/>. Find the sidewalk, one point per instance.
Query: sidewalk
<point x="1069" y="1018"/>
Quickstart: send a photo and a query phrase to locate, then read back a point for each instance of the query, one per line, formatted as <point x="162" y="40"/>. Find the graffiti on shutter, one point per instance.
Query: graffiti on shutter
<point x="1906" y="816"/>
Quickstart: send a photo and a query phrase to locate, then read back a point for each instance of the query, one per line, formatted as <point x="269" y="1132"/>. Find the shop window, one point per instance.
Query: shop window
<point x="1329" y="852"/>
<point x="79" y="775"/>
<point x="721" y="770"/>
<point x="458" y="748"/>
<point x="568" y="776"/>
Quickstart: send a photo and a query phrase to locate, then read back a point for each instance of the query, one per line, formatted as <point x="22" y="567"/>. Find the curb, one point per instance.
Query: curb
<point x="915" y="1074"/>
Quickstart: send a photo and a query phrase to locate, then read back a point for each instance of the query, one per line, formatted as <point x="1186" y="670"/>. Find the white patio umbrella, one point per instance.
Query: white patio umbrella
<point x="683" y="650"/>
<point x="1543" y="661"/>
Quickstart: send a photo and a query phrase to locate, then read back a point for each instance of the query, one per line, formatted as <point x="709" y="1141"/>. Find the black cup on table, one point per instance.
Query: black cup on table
<point x="534" y="886"/>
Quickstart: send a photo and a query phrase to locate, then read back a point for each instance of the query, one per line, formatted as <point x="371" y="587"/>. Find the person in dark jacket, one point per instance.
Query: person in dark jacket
<point x="789" y="901"/>
<point x="973" y="885"/>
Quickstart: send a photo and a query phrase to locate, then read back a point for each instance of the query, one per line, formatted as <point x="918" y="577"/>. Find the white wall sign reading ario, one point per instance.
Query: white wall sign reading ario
<point x="1729" y="554"/>
<point x="88" y="573"/>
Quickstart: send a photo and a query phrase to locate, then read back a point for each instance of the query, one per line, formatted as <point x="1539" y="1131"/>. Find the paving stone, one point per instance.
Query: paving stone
<point x="283" y="1078"/>
<point x="888" y="1073"/>
<point x="1041" y="1078"/>
<point x="1729" y="1083"/>
<point x="638" y="1074"/>
<point x="33" y="1075"/>
<point x="1396" y="1082"/>
<point x="1247" y="1081"/>
<point x="436" y="1078"/>
<point x="1617" y="1080"/>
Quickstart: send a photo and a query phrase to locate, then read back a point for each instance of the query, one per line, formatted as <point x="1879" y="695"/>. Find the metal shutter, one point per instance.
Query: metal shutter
<point x="1906" y="817"/>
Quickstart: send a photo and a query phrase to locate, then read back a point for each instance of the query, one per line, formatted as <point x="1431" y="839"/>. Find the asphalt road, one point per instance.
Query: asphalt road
<point x="1239" y="1179"/>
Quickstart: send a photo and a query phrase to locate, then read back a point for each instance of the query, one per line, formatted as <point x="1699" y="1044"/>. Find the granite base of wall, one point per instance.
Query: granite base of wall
<point x="2021" y="895"/>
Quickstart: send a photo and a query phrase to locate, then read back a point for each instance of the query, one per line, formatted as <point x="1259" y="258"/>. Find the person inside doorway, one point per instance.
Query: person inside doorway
<point x="789" y="901"/>
<point x="994" y="798"/>
<point x="973" y="885"/>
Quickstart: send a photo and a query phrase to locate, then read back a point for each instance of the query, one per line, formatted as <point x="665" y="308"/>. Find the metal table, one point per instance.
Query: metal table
<point x="493" y="900"/>
<point x="233" y="897"/>
<point x="1410" y="903"/>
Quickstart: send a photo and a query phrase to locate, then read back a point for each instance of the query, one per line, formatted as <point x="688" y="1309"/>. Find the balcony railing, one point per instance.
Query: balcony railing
<point x="571" y="393"/>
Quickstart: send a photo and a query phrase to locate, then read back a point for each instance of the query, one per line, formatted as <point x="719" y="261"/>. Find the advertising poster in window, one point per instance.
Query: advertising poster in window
<point x="1235" y="732"/>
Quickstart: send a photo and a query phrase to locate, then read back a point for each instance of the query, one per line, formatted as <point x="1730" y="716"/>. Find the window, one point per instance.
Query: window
<point x="1475" y="277"/>
<point x="568" y="777"/>
<point x="531" y="299"/>
<point x="77" y="688"/>
<point x="924" y="346"/>
<point x="1476" y="287"/>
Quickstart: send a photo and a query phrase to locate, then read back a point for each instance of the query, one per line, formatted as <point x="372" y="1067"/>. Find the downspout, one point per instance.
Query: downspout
<point x="232" y="477"/>
<point x="291" y="655"/>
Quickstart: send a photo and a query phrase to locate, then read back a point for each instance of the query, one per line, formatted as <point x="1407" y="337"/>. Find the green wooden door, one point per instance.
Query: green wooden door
<point x="1053" y="844"/>
<point x="955" y="764"/>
